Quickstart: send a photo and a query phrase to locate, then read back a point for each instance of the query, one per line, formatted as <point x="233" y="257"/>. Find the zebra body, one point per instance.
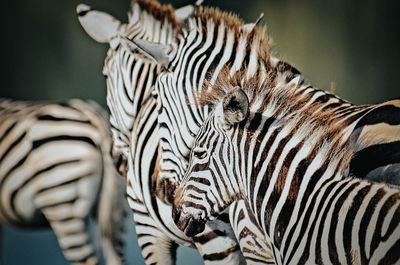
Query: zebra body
<point x="56" y="169"/>
<point x="290" y="161"/>
<point x="130" y="80"/>
<point x="197" y="53"/>
<point x="208" y="43"/>
<point x="293" y="139"/>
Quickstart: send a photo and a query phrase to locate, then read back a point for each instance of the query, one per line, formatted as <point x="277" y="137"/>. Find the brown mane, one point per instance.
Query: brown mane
<point x="290" y="100"/>
<point x="233" y="22"/>
<point x="158" y="11"/>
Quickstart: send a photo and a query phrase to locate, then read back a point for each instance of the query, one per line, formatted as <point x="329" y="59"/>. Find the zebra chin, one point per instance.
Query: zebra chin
<point x="187" y="223"/>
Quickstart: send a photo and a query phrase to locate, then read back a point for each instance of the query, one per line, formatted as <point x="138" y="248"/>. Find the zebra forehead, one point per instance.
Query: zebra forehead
<point x="256" y="86"/>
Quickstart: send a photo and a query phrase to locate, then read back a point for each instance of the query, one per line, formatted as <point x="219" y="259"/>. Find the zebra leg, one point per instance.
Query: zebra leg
<point x="253" y="242"/>
<point x="217" y="244"/>
<point x="112" y="209"/>
<point x="74" y="239"/>
<point x="68" y="209"/>
<point x="155" y="246"/>
<point x="1" y="245"/>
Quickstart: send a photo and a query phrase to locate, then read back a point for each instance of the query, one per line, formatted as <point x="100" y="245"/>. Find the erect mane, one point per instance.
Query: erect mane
<point x="232" y="22"/>
<point x="288" y="100"/>
<point x="229" y="19"/>
<point x="158" y="11"/>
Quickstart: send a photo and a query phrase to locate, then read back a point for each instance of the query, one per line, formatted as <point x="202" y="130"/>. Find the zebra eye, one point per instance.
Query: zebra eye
<point x="199" y="153"/>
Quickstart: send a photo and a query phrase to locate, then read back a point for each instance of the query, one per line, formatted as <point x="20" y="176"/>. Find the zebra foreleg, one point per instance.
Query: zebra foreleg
<point x="155" y="246"/>
<point x="217" y="243"/>
<point x="253" y="242"/>
<point x="73" y="236"/>
<point x="68" y="210"/>
<point x="1" y="245"/>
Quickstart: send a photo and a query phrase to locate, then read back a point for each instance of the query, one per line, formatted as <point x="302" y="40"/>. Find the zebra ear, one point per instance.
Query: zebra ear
<point x="235" y="106"/>
<point x="160" y="53"/>
<point x="184" y="12"/>
<point x="101" y="26"/>
<point x="250" y="26"/>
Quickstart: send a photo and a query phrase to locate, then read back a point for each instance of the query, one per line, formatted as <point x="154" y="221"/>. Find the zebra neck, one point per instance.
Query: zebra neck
<point x="290" y="151"/>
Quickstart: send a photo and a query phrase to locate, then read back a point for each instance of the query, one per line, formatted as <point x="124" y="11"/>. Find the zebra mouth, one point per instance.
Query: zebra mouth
<point x="188" y="224"/>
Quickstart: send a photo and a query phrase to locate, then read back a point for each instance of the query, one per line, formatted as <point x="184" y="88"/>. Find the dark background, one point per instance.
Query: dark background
<point x="47" y="56"/>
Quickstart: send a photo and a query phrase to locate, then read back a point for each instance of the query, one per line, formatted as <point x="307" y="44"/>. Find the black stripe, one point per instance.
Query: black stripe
<point x="375" y="156"/>
<point x="221" y="255"/>
<point x="336" y="215"/>
<point x="53" y="166"/>
<point x="6" y="132"/>
<point x="388" y="114"/>
<point x="49" y="117"/>
<point x="11" y="146"/>
<point x="40" y="142"/>
<point x="350" y="217"/>
<point x="365" y="220"/>
<point x="305" y="213"/>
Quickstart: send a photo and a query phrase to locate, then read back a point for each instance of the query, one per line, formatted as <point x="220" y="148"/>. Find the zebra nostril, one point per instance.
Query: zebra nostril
<point x="194" y="227"/>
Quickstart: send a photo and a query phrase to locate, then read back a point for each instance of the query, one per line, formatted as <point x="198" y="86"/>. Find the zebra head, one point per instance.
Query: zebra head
<point x="104" y="28"/>
<point x="212" y="182"/>
<point x="128" y="68"/>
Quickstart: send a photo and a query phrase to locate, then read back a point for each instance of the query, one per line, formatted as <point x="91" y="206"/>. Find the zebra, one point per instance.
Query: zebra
<point x="134" y="124"/>
<point x="212" y="40"/>
<point x="285" y="152"/>
<point x="56" y="171"/>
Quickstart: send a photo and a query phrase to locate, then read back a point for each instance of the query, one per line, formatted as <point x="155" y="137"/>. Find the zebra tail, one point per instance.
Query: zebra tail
<point x="112" y="206"/>
<point x="111" y="213"/>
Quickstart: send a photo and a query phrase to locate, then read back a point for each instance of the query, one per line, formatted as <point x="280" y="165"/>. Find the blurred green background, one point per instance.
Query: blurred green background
<point x="47" y="56"/>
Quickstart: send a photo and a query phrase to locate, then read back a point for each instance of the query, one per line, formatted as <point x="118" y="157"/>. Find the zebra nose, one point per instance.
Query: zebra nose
<point x="188" y="224"/>
<point x="194" y="227"/>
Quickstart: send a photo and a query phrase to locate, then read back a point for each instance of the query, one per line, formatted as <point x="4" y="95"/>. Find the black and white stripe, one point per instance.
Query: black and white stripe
<point x="56" y="170"/>
<point x="292" y="168"/>
<point x="200" y="55"/>
<point x="210" y="43"/>
<point x="294" y="143"/>
<point x="130" y="83"/>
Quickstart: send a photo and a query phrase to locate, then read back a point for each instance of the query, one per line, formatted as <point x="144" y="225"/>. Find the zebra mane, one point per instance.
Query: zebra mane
<point x="204" y="16"/>
<point x="214" y="14"/>
<point x="155" y="10"/>
<point x="285" y="101"/>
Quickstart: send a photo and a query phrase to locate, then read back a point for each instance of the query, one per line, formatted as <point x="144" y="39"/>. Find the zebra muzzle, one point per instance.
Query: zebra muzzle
<point x="187" y="223"/>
